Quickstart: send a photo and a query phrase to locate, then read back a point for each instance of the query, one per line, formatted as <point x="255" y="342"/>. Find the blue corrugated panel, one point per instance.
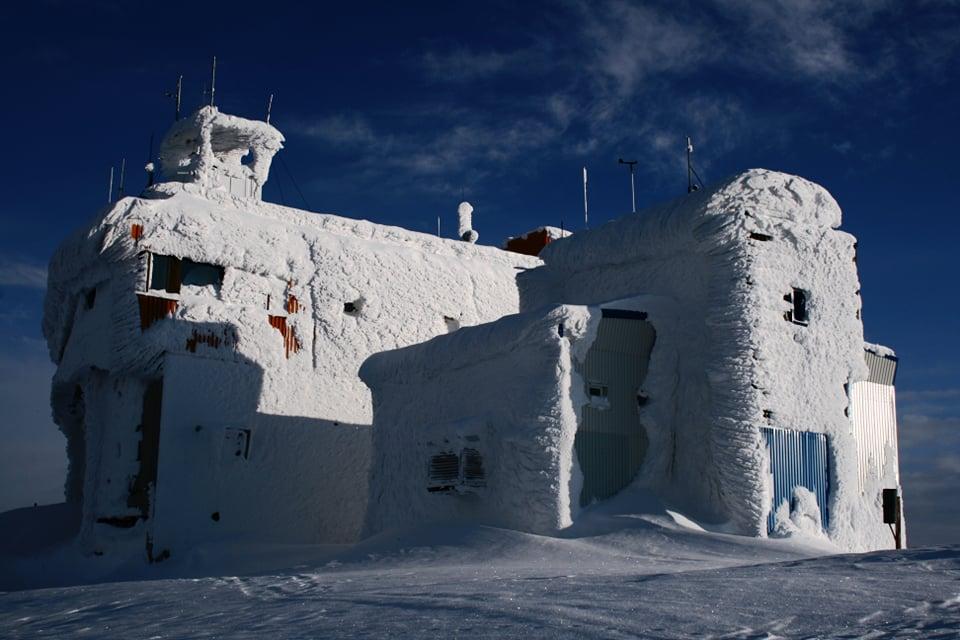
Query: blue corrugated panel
<point x="798" y="458"/>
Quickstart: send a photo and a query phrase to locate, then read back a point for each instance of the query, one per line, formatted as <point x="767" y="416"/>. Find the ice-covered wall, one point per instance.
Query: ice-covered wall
<point x="274" y="348"/>
<point x="502" y="389"/>
<point x="732" y="257"/>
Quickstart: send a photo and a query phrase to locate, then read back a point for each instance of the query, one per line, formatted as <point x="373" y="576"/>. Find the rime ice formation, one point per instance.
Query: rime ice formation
<point x="216" y="355"/>
<point x="218" y="151"/>
<point x="752" y="295"/>
<point x="208" y="344"/>
<point x="465" y="223"/>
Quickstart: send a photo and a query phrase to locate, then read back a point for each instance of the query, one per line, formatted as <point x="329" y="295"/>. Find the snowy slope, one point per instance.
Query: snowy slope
<point x="629" y="569"/>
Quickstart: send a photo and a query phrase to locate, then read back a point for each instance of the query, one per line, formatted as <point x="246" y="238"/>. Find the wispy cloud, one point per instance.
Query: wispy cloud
<point x="22" y="274"/>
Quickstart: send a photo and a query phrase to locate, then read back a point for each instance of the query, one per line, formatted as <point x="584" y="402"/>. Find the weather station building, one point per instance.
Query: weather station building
<point x="231" y="369"/>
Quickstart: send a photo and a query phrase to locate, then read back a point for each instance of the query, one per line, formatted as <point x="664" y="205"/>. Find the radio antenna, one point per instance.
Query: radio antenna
<point x="633" y="193"/>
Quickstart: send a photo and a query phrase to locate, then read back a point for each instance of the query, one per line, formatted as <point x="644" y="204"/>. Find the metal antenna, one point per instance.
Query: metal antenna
<point x="691" y="172"/>
<point x="176" y="97"/>
<point x="586" y="217"/>
<point x="633" y="193"/>
<point x="149" y="166"/>
<point x="123" y="171"/>
<point x="213" y="82"/>
<point x="269" y="107"/>
<point x="438" y="226"/>
<point x="110" y="187"/>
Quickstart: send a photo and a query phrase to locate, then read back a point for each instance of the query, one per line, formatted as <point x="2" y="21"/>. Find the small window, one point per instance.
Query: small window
<point x="471" y="462"/>
<point x="354" y="307"/>
<point x="443" y="472"/>
<point x="90" y="298"/>
<point x="595" y="390"/>
<point x="762" y="237"/>
<point x="798" y="314"/>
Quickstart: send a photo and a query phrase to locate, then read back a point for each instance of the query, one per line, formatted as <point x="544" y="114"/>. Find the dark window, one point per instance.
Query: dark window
<point x="90" y="298"/>
<point x="762" y="237"/>
<point x="444" y="472"/>
<point x="800" y="306"/>
<point x="200" y="274"/>
<point x="798" y="314"/>
<point x="597" y="390"/>
<point x="168" y="274"/>
<point x="472" y="464"/>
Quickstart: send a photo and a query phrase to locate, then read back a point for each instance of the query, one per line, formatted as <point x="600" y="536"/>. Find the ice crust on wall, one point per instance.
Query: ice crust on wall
<point x="402" y="287"/>
<point x="712" y="270"/>
<point x="503" y="388"/>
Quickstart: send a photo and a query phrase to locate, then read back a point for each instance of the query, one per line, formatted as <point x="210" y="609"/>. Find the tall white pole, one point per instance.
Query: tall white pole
<point x="269" y="107"/>
<point x="110" y="187"/>
<point x="438" y="226"/>
<point x="633" y="193"/>
<point x="586" y="218"/>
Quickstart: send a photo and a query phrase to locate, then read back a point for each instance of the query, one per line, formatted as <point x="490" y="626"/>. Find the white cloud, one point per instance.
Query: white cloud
<point x="22" y="274"/>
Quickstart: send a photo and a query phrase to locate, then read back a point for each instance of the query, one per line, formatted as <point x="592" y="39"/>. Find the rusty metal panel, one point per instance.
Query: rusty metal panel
<point x="611" y="443"/>
<point x="798" y="459"/>
<point x="153" y="308"/>
<point x="290" y="342"/>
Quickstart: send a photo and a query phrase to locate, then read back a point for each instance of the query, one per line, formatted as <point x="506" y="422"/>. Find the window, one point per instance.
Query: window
<point x="595" y="390"/>
<point x="169" y="274"/>
<point x="90" y="298"/>
<point x="443" y="471"/>
<point x="798" y="314"/>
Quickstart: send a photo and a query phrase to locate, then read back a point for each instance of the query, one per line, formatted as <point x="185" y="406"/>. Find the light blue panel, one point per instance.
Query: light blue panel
<point x="798" y="459"/>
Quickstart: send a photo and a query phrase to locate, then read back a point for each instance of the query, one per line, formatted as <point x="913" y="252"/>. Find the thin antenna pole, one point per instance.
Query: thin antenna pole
<point x="179" y="95"/>
<point x="269" y="107"/>
<point x="633" y="193"/>
<point x="110" y="187"/>
<point x="438" y="226"/>
<point x="586" y="217"/>
<point x="213" y="82"/>
<point x="123" y="171"/>
<point x="149" y="165"/>
<point x="689" y="165"/>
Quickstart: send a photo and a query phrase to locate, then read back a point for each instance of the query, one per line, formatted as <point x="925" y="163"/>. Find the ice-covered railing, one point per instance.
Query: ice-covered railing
<point x="220" y="152"/>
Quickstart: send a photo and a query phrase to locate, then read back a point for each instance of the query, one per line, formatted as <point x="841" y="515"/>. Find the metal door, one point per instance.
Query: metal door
<point x="798" y="459"/>
<point x="611" y="442"/>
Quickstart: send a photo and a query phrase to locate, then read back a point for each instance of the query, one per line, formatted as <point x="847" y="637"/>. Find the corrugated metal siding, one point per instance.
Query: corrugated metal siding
<point x="873" y="411"/>
<point x="883" y="369"/>
<point x="610" y="442"/>
<point x="798" y="458"/>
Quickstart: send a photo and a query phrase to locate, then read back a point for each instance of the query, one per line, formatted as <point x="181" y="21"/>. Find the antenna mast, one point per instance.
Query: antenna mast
<point x="691" y="172"/>
<point x="123" y="170"/>
<point x="633" y="193"/>
<point x="213" y="82"/>
<point x="176" y="97"/>
<point x="149" y="166"/>
<point x="438" y="226"/>
<point x="110" y="187"/>
<point x="586" y="218"/>
<point x="269" y="107"/>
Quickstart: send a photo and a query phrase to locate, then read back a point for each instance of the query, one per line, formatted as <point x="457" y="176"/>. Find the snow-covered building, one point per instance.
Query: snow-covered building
<point x="216" y="355"/>
<point x="706" y="349"/>
<point x="207" y="347"/>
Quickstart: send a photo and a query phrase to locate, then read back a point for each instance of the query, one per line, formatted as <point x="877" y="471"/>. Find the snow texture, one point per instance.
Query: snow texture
<point x="628" y="571"/>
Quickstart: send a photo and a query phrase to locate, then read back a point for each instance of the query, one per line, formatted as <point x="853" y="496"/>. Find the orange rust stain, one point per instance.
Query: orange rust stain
<point x="153" y="308"/>
<point x="293" y="305"/>
<point x="290" y="342"/>
<point x="210" y="339"/>
<point x="136" y="231"/>
<point x="531" y="244"/>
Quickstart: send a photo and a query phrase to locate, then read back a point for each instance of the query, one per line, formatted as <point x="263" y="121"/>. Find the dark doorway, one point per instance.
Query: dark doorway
<point x="148" y="450"/>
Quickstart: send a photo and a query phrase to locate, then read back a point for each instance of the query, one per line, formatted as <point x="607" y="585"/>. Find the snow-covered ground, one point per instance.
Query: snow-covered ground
<point x="629" y="569"/>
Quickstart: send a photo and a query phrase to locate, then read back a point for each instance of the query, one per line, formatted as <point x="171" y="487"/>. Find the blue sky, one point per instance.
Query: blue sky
<point x="392" y="112"/>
